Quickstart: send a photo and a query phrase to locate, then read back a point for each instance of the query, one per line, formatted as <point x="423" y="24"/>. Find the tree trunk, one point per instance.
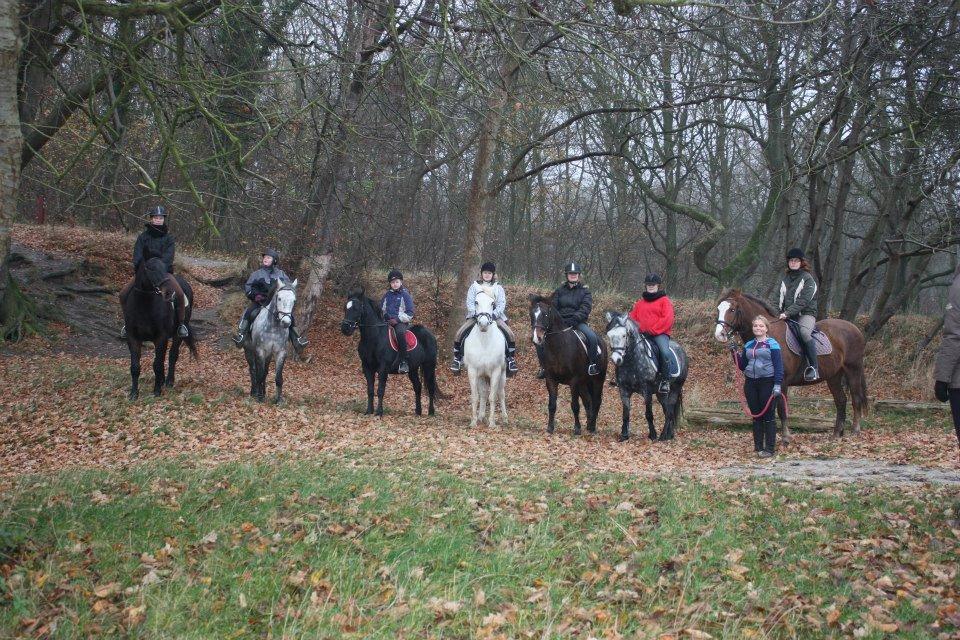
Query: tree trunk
<point x="10" y="137"/>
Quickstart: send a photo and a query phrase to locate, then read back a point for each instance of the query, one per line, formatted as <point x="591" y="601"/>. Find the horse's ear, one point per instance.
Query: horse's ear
<point x="531" y="298"/>
<point x="609" y="316"/>
<point x="294" y="283"/>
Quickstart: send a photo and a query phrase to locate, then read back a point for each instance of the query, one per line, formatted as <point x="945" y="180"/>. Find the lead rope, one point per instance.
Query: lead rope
<point x="738" y="374"/>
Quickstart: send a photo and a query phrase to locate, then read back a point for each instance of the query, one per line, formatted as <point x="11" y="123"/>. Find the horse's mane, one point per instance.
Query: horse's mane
<point x="729" y="293"/>
<point x="360" y="294"/>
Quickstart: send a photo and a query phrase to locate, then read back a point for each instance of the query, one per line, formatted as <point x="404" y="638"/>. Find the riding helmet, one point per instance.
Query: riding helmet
<point x="573" y="267"/>
<point x="488" y="266"/>
<point x="653" y="278"/>
<point x="157" y="211"/>
<point x="796" y="252"/>
<point x="394" y="275"/>
<point x="273" y="254"/>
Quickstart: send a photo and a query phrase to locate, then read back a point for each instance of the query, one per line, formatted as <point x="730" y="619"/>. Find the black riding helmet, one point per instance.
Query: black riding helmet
<point x="273" y="254"/>
<point x="573" y="267"/>
<point x="796" y="252"/>
<point x="394" y="275"/>
<point x="157" y="212"/>
<point x="488" y="266"/>
<point x="653" y="278"/>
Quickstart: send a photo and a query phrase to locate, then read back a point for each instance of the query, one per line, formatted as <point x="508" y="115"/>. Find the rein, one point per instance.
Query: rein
<point x="738" y="374"/>
<point x="354" y="324"/>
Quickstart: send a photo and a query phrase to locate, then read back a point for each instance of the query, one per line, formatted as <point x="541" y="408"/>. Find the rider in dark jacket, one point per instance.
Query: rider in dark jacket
<point x="257" y="289"/>
<point x="156" y="242"/>
<point x="397" y="309"/>
<point x="574" y="302"/>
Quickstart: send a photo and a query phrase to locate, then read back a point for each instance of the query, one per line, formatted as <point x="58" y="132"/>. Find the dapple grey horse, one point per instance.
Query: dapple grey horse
<point x="268" y="338"/>
<point x="637" y="373"/>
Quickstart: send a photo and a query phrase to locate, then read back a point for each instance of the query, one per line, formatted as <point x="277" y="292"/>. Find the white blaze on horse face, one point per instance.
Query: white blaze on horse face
<point x="618" y="343"/>
<point x="720" y="332"/>
<point x="536" y="320"/>
<point x="285" y="301"/>
<point x="349" y="305"/>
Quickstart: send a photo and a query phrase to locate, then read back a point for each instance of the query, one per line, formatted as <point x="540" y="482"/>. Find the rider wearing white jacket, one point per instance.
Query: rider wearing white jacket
<point x="488" y="284"/>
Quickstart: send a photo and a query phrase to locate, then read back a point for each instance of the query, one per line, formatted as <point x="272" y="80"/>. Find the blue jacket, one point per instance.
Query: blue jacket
<point x="262" y="279"/>
<point x="762" y="360"/>
<point x="396" y="302"/>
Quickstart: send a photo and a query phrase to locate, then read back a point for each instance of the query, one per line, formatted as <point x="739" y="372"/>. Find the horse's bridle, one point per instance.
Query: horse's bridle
<point x="489" y="316"/>
<point x="354" y="324"/>
<point x="536" y="324"/>
<point x="730" y="329"/>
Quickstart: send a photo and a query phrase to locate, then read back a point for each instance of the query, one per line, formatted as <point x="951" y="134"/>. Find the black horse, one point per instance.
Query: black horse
<point x="637" y="373"/>
<point x="150" y="317"/>
<point x="378" y="357"/>
<point x="565" y="362"/>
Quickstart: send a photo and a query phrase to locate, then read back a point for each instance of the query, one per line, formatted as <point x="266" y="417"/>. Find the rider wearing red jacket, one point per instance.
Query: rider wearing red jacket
<point x="653" y="313"/>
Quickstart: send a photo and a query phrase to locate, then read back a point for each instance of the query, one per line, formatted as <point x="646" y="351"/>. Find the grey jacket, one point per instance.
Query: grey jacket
<point x="945" y="367"/>
<point x="798" y="294"/>
<point x="262" y="279"/>
<point x="499" y="300"/>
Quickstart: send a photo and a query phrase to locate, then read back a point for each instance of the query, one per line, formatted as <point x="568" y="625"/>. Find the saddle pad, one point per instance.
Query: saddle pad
<point x="583" y="342"/>
<point x="655" y="354"/>
<point x="411" y="340"/>
<point x="823" y="343"/>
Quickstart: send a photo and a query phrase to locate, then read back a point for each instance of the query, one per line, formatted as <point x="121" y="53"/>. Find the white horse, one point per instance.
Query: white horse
<point x="484" y="356"/>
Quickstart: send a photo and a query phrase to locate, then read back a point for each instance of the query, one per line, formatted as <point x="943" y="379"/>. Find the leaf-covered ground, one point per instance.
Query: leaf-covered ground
<point x="204" y="514"/>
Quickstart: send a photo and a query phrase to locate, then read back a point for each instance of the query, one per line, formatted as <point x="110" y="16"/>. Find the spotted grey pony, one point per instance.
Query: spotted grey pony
<point x="268" y="338"/>
<point x="637" y="372"/>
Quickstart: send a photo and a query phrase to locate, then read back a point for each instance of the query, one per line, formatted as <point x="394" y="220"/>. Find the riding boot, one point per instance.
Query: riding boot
<point x="241" y="331"/>
<point x="770" y="430"/>
<point x="512" y="367"/>
<point x="299" y="342"/>
<point x="183" y="331"/>
<point x="810" y="346"/>
<point x="758" y="431"/>
<point x="403" y="367"/>
<point x="457" y="364"/>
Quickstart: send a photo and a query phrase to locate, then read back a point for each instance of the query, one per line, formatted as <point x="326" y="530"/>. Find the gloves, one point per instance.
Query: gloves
<point x="776" y="390"/>
<point x="403" y="317"/>
<point x="259" y="298"/>
<point x="393" y="322"/>
<point x="940" y="391"/>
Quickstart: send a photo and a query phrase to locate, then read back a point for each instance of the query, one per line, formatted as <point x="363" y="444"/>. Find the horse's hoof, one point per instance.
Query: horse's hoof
<point x="157" y="393"/>
<point x="278" y="401"/>
<point x="133" y="395"/>
<point x="576" y="432"/>
<point x="664" y="438"/>
<point x="623" y="437"/>
<point x="431" y="412"/>
<point x="652" y="436"/>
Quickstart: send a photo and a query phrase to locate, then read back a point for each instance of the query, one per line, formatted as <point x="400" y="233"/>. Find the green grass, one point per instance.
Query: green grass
<point x="355" y="547"/>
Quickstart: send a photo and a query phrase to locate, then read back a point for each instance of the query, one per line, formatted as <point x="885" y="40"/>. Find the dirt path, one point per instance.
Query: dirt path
<point x="832" y="470"/>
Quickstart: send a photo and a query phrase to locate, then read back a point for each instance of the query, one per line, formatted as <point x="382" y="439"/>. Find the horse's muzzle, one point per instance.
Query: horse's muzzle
<point x="616" y="358"/>
<point x="346" y="328"/>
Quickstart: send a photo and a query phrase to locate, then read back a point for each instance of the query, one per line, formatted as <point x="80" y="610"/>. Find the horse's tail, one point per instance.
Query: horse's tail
<point x="430" y="379"/>
<point x="679" y="409"/>
<point x="191" y="341"/>
<point x="857" y="382"/>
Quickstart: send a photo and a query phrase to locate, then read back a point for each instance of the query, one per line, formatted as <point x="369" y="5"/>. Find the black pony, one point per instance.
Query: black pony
<point x="565" y="362"/>
<point x="150" y="316"/>
<point x="637" y="373"/>
<point x="378" y="357"/>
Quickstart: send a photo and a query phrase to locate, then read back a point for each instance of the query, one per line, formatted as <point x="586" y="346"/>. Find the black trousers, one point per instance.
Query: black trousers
<point x="758" y="392"/>
<point x="401" y="329"/>
<point x="955" y="410"/>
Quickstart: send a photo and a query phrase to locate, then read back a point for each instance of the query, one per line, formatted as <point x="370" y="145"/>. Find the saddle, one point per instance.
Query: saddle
<point x="583" y="342"/>
<point x="411" y="338"/>
<point x="820" y="339"/>
<point x="671" y="356"/>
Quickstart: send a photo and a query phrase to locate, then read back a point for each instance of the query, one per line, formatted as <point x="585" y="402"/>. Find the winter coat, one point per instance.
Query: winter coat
<point x="573" y="303"/>
<point x="261" y="280"/>
<point x="499" y="299"/>
<point x="653" y="313"/>
<point x="154" y="242"/>
<point x="798" y="294"/>
<point x="947" y="364"/>
<point x="762" y="360"/>
<point x="396" y="302"/>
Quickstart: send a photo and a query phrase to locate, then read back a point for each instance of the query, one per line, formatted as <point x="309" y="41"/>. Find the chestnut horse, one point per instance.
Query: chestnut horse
<point x="735" y="313"/>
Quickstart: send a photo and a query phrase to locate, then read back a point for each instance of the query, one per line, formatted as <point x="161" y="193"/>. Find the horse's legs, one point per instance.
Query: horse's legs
<point x="281" y="358"/>
<point x="857" y="384"/>
<point x="262" y="380"/>
<point x="474" y="394"/>
<point x="159" y="355"/>
<point x="135" y="347"/>
<point x="586" y="397"/>
<point x="575" y="408"/>
<point x="369" y="374"/>
<point x="666" y="404"/>
<point x="551" y="404"/>
<point x="625" y="396"/>
<point x="840" y="400"/>
<point x="494" y="393"/>
<point x="648" y="411"/>
<point x="483" y="387"/>
<point x="414" y="376"/>
<point x="502" y="392"/>
<point x="172" y="360"/>
<point x="430" y="378"/>
<point x="252" y="367"/>
<point x="381" y="388"/>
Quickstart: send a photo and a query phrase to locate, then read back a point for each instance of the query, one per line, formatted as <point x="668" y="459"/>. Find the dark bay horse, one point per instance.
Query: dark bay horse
<point x="735" y="313"/>
<point x="565" y="362"/>
<point x="637" y="373"/>
<point x="150" y="317"/>
<point x="377" y="356"/>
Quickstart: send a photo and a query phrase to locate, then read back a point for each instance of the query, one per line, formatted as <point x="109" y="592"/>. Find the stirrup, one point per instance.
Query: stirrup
<point x="456" y="366"/>
<point x="512" y="367"/>
<point x="183" y="331"/>
<point x="593" y="369"/>
<point x="404" y="367"/>
<point x="238" y="339"/>
<point x="664" y="386"/>
<point x="123" y="332"/>
<point x="810" y="374"/>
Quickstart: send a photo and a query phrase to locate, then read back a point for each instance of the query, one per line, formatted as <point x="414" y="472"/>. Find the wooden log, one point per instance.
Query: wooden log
<point x="731" y="418"/>
<point x="881" y="405"/>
